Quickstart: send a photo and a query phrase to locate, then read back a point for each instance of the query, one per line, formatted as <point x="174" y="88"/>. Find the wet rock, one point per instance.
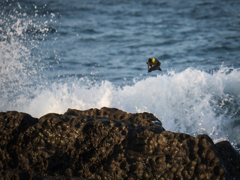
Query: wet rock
<point x="107" y="143"/>
<point x="230" y="159"/>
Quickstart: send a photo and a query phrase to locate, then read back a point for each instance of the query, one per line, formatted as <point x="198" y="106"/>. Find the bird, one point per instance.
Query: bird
<point x="154" y="64"/>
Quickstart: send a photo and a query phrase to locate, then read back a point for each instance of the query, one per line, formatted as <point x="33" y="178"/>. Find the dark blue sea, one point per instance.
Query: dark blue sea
<point x="58" y="54"/>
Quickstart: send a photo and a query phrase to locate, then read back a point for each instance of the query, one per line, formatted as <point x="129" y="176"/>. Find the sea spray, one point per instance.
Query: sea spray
<point x="21" y="61"/>
<point x="191" y="101"/>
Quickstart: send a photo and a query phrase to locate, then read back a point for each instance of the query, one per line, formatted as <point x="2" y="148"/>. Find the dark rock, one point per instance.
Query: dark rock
<point x="229" y="158"/>
<point x="107" y="144"/>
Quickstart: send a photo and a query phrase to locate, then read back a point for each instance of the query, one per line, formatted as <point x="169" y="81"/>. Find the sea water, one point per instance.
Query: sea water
<point x="56" y="55"/>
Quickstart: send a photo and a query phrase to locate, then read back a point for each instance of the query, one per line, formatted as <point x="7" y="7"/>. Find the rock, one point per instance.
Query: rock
<point x="107" y="144"/>
<point x="229" y="158"/>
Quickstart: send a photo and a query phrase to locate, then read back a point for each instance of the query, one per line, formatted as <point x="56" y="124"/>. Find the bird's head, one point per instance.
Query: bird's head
<point x="151" y="60"/>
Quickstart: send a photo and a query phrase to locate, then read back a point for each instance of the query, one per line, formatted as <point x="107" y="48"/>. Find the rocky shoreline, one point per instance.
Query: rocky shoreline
<point x="107" y="143"/>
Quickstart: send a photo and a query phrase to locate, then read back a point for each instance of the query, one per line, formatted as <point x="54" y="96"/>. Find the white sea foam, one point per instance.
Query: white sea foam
<point x="191" y="101"/>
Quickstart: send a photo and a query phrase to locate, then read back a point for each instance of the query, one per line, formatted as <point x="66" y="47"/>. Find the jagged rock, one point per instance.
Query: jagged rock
<point x="107" y="144"/>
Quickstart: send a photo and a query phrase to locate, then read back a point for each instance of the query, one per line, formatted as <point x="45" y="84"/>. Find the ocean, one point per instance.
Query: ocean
<point x="56" y="55"/>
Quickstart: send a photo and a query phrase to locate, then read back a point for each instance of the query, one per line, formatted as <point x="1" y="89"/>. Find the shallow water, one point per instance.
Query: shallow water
<point x="56" y="55"/>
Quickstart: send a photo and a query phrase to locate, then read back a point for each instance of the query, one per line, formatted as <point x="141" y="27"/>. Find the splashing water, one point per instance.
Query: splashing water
<point x="20" y="68"/>
<point x="191" y="101"/>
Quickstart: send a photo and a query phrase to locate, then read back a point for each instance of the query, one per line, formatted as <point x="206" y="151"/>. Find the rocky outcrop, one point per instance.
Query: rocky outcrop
<point x="107" y="144"/>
